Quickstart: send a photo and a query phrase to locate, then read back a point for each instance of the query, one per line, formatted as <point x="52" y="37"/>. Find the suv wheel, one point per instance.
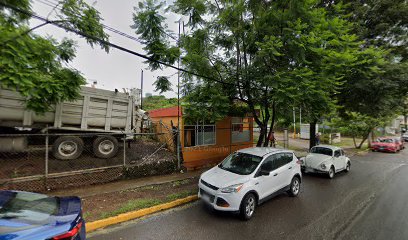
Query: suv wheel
<point x="348" y="166"/>
<point x="331" y="172"/>
<point x="294" y="187"/>
<point x="248" y="206"/>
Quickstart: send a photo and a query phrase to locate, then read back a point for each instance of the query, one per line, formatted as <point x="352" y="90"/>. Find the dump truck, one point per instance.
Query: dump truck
<point x="98" y="118"/>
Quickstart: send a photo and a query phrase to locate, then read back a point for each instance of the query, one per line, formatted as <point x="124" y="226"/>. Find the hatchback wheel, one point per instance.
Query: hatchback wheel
<point x="248" y="206"/>
<point x="294" y="187"/>
<point x="331" y="172"/>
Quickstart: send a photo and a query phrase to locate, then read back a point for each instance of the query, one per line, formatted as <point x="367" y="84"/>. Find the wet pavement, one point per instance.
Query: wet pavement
<point x="369" y="202"/>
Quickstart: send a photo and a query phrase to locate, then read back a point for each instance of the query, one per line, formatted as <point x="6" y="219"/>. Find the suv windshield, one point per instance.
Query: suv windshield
<point x="322" y="150"/>
<point x="240" y="163"/>
<point x="386" y="140"/>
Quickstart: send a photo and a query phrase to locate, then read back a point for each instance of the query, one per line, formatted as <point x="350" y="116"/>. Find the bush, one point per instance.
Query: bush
<point x="156" y="168"/>
<point x="325" y="138"/>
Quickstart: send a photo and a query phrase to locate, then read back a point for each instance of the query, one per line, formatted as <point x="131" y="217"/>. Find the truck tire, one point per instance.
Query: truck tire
<point x="105" y="147"/>
<point x="67" y="148"/>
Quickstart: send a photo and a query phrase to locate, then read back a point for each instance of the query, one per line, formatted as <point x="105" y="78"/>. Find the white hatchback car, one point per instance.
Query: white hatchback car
<point x="249" y="177"/>
<point x="326" y="159"/>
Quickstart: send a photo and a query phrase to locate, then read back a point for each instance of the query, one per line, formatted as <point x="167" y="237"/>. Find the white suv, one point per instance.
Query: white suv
<point x="249" y="177"/>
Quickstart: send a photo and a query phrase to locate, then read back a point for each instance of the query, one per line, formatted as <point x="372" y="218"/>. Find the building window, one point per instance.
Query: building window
<point x="240" y="130"/>
<point x="199" y="135"/>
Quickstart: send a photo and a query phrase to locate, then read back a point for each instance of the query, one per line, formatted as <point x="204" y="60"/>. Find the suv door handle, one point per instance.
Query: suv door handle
<point x="290" y="167"/>
<point x="275" y="174"/>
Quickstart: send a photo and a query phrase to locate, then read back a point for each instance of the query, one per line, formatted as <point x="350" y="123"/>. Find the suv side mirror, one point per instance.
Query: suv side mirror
<point x="264" y="172"/>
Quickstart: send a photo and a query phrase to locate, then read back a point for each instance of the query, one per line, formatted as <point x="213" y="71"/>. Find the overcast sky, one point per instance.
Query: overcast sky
<point x="117" y="69"/>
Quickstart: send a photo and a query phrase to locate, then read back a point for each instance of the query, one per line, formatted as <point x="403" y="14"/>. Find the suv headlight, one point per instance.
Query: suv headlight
<point x="323" y="166"/>
<point x="233" y="188"/>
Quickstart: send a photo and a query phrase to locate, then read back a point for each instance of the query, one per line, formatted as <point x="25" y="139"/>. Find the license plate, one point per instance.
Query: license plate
<point x="205" y="197"/>
<point x="309" y="170"/>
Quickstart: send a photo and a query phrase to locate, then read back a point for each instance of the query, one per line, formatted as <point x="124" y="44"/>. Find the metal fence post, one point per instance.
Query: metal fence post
<point x="46" y="158"/>
<point x="124" y="151"/>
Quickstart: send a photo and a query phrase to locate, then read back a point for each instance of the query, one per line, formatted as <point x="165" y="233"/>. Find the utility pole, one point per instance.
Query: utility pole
<point x="300" y="122"/>
<point x="178" y="103"/>
<point x="300" y="117"/>
<point x="294" y="123"/>
<point x="141" y="90"/>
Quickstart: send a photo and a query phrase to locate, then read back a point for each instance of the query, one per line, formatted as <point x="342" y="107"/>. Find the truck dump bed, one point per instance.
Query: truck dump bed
<point x="95" y="110"/>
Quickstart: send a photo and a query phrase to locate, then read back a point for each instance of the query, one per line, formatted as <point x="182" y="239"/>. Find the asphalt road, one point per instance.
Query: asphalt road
<point x="369" y="202"/>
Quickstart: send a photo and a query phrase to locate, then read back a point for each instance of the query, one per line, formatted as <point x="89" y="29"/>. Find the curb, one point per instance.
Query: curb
<point x="92" y="226"/>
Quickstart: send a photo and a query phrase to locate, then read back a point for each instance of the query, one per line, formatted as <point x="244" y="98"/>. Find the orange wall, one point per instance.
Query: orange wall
<point x="166" y="135"/>
<point x="199" y="156"/>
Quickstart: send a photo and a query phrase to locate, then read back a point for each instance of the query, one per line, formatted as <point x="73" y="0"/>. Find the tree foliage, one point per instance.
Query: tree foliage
<point x="157" y="102"/>
<point x="162" y="84"/>
<point x="270" y="55"/>
<point x="376" y="89"/>
<point x="34" y="65"/>
<point x="358" y="125"/>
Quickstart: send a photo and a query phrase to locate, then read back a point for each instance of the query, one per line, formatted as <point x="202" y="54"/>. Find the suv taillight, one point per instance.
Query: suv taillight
<point x="70" y="234"/>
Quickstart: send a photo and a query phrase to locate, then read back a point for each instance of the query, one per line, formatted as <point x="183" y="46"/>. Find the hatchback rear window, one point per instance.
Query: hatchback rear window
<point x="27" y="207"/>
<point x="322" y="150"/>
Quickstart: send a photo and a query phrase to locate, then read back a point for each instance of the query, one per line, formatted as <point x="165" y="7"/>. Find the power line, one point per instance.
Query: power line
<point x="54" y="4"/>
<point x="45" y="3"/>
<point x="104" y="42"/>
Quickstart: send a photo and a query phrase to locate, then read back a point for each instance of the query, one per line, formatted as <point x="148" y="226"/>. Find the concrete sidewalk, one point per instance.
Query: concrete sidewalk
<point x="122" y="185"/>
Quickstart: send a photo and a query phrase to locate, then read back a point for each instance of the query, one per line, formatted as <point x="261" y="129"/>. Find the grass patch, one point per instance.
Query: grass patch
<point x="86" y="215"/>
<point x="175" y="196"/>
<point x="181" y="182"/>
<point x="131" y="206"/>
<point x="150" y="187"/>
<point x="294" y="148"/>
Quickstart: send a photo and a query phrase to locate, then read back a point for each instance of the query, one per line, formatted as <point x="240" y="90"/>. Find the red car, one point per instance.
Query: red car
<point x="385" y="145"/>
<point x="400" y="142"/>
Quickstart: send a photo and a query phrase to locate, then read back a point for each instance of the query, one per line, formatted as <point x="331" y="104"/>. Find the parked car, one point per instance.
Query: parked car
<point x="249" y="177"/>
<point x="385" y="145"/>
<point x="26" y="215"/>
<point x="327" y="160"/>
<point x="405" y="136"/>
<point x="400" y="142"/>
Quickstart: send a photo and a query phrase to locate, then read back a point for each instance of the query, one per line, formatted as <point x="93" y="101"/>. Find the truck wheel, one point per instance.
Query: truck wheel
<point x="67" y="148"/>
<point x="105" y="147"/>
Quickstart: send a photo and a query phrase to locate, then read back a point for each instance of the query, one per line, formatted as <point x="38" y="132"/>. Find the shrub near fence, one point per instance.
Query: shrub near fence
<point x="36" y="169"/>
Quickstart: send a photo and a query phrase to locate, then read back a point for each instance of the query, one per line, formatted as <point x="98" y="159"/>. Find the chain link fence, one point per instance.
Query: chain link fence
<point x="50" y="161"/>
<point x="41" y="162"/>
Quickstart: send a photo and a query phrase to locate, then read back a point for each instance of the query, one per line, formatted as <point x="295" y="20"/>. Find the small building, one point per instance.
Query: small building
<point x="204" y="143"/>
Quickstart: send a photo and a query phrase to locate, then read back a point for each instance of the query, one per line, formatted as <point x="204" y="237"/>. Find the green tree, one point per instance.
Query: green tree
<point x="36" y="66"/>
<point x="376" y="89"/>
<point x="270" y="55"/>
<point x="156" y="102"/>
<point x="358" y="125"/>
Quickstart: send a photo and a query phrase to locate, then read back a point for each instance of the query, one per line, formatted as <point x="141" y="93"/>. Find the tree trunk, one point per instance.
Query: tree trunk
<point x="354" y="140"/>
<point x="405" y="112"/>
<point x="312" y="134"/>
<point x="364" y="139"/>
<point x="262" y="133"/>
<point x="272" y="124"/>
